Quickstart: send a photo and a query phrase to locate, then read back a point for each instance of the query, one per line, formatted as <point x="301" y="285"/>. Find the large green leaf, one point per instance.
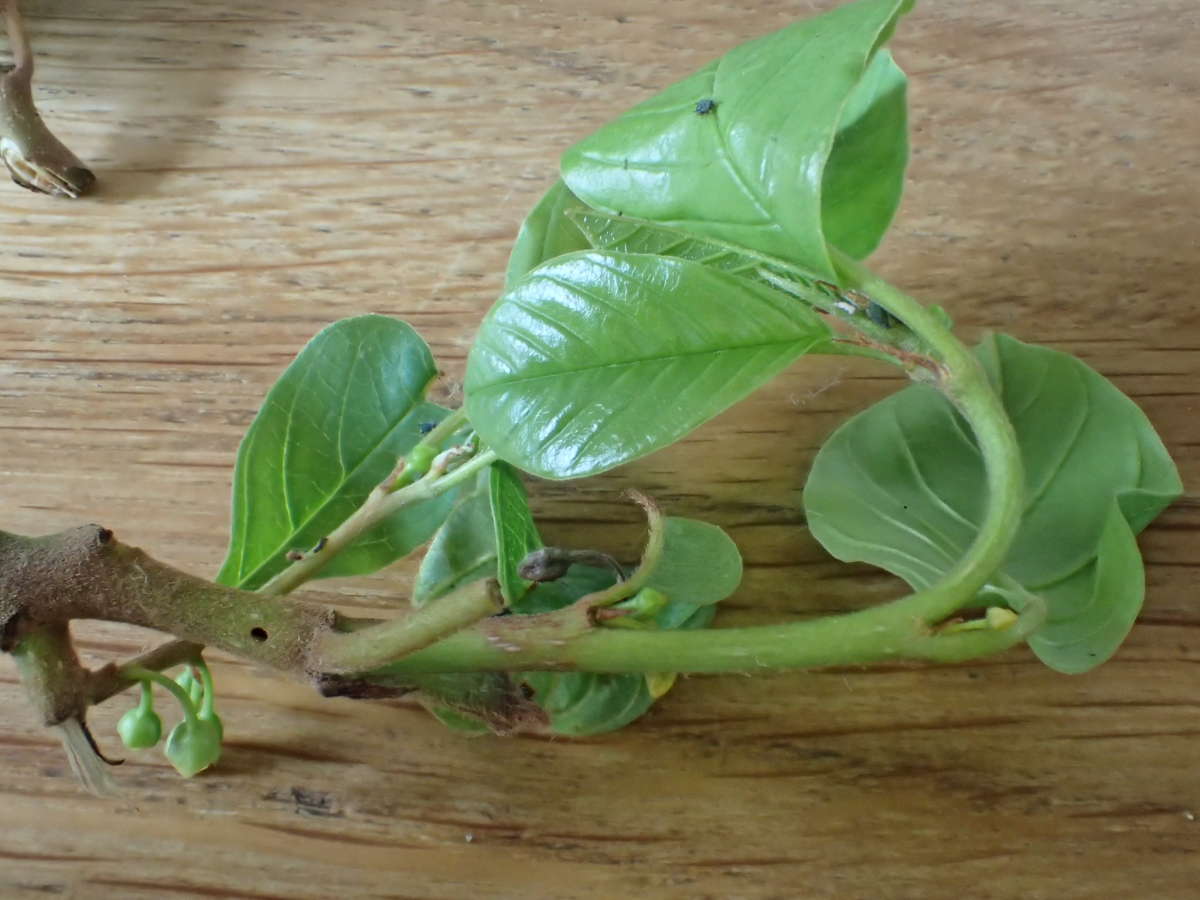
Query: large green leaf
<point x="329" y="431"/>
<point x="902" y="486"/>
<point x="547" y="232"/>
<point x="595" y="359"/>
<point x="751" y="166"/>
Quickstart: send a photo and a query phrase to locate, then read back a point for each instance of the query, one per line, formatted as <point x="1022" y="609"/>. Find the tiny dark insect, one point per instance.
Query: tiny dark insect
<point x="320" y="545"/>
<point x="881" y="316"/>
<point x="705" y="106"/>
<point x="426" y="427"/>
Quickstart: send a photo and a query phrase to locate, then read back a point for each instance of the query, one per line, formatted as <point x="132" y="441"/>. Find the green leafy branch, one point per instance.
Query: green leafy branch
<point x="690" y="251"/>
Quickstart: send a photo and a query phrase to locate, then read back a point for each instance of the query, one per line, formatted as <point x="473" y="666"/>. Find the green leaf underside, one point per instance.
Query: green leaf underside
<point x="515" y="535"/>
<point x="463" y="550"/>
<point x="752" y="171"/>
<point x="330" y="429"/>
<point x="571" y="367"/>
<point x="699" y="564"/>
<point x="901" y="486"/>
<point x="546" y="233"/>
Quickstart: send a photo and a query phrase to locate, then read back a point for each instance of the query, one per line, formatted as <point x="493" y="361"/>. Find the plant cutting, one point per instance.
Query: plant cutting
<point x="690" y="251"/>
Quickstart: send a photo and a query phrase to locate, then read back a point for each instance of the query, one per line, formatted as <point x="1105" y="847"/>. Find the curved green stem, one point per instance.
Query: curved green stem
<point x="206" y="680"/>
<point x="189" y="708"/>
<point x="965" y="384"/>
<point x="900" y="629"/>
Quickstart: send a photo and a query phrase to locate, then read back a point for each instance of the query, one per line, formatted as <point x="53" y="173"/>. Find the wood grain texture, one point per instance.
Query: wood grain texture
<point x="268" y="167"/>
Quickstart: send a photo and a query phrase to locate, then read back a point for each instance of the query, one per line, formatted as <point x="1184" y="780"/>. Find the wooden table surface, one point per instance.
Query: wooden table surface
<point x="268" y="167"/>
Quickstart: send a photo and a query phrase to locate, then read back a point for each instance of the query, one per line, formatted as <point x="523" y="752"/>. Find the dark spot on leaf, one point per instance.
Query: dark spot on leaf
<point x="705" y="106"/>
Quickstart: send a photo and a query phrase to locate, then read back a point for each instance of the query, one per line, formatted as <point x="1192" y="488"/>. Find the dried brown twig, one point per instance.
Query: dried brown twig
<point x="35" y="158"/>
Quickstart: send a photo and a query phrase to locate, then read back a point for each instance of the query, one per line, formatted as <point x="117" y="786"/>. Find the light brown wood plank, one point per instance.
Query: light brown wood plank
<point x="268" y="168"/>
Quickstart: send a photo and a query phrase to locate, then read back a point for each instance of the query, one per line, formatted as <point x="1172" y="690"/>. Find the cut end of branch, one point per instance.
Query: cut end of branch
<point x="86" y="762"/>
<point x="47" y="173"/>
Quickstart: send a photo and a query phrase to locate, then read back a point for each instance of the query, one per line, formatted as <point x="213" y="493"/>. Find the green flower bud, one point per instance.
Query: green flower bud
<point x="215" y="721"/>
<point x="140" y="728"/>
<point x="640" y="610"/>
<point x="192" y="746"/>
<point x="419" y="459"/>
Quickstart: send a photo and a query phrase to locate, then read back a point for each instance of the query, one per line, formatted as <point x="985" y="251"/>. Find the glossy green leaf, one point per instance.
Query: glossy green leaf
<point x="625" y="234"/>
<point x="700" y="564"/>
<point x="516" y="535"/>
<point x="864" y="176"/>
<point x="464" y="548"/>
<point x="583" y="365"/>
<point x="546" y="233"/>
<point x="752" y="169"/>
<point x="329" y="431"/>
<point x="901" y="486"/>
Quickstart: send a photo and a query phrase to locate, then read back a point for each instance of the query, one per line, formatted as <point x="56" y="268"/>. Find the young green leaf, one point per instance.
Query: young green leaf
<point x="700" y="564"/>
<point x="329" y="431"/>
<point x="750" y="166"/>
<point x="902" y="486"/>
<point x="584" y="366"/>
<point x="516" y="534"/>
<point x="546" y="233"/>
<point x="464" y="548"/>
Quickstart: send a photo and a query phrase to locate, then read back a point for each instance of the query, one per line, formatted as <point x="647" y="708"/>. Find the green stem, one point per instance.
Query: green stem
<point x="210" y="690"/>
<point x="901" y="629"/>
<point x="141" y="674"/>
<point x="384" y="642"/>
<point x="966" y="385"/>
<point x="871" y="636"/>
<point x="378" y="506"/>
<point x="444" y="429"/>
<point x="146" y="701"/>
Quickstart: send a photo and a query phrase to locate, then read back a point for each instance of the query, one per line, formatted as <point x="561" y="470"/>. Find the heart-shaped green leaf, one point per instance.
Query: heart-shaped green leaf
<point x="745" y="149"/>
<point x="331" y="428"/>
<point x="595" y="359"/>
<point x="902" y="486"/>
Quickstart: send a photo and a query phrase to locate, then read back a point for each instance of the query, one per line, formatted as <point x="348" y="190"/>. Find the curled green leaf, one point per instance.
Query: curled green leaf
<point x="794" y="122"/>
<point x="902" y="486"/>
